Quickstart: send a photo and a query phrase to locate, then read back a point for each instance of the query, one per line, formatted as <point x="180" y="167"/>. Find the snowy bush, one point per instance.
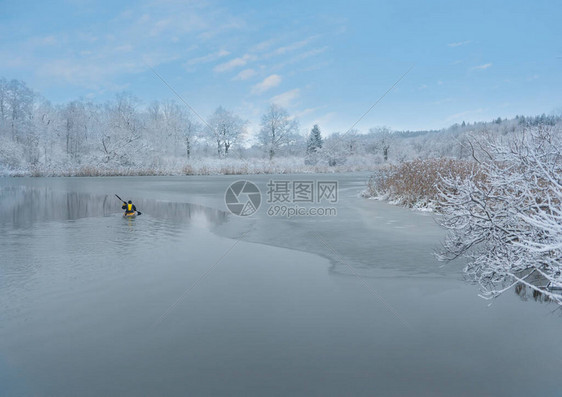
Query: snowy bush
<point x="416" y="183"/>
<point x="508" y="223"/>
<point x="11" y="155"/>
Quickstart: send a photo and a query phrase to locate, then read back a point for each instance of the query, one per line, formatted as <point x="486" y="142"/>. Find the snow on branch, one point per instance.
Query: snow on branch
<point x="508" y="224"/>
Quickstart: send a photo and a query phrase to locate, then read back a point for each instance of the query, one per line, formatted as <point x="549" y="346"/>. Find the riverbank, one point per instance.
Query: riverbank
<point x="416" y="184"/>
<point x="210" y="166"/>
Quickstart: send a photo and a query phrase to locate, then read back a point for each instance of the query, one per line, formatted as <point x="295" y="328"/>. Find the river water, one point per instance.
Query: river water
<point x="188" y="299"/>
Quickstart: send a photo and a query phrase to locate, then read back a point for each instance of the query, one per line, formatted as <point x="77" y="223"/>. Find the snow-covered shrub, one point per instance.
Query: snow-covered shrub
<point x="416" y="183"/>
<point x="508" y="225"/>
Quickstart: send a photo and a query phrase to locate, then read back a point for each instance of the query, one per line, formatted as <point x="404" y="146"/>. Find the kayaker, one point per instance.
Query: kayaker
<point x="129" y="208"/>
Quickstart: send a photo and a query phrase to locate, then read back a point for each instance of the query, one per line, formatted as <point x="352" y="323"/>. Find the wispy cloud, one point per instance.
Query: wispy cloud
<point x="482" y="67"/>
<point x="234" y="63"/>
<point x="263" y="45"/>
<point x="286" y="99"/>
<point x="253" y="55"/>
<point x="459" y="43"/>
<point x="207" y="58"/>
<point x="233" y="24"/>
<point x="86" y="74"/>
<point x="301" y="57"/>
<point x="268" y="83"/>
<point x="308" y="54"/>
<point x="293" y="46"/>
<point x="245" y="74"/>
<point x="102" y="58"/>
<point x="307" y="111"/>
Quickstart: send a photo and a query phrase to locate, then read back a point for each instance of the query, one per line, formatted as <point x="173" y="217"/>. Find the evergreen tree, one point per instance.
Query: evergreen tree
<point x="314" y="140"/>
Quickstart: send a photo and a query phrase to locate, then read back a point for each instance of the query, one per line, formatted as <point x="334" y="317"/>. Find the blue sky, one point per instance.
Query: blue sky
<point x="327" y="62"/>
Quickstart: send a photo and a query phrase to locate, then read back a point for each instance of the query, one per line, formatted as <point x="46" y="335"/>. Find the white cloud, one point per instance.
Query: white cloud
<point x="301" y="57"/>
<point x="207" y="58"/>
<point x="233" y="63"/>
<point x="307" y="111"/>
<point x="308" y="54"/>
<point x="269" y="82"/>
<point x="245" y="74"/>
<point x="264" y="45"/>
<point x="459" y="43"/>
<point x="286" y="99"/>
<point x="482" y="67"/>
<point x="232" y="23"/>
<point x="293" y="46"/>
<point x="85" y="73"/>
<point x="96" y="57"/>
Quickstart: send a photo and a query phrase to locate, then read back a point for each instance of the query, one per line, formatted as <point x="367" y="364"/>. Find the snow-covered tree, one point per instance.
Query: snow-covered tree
<point x="18" y="103"/>
<point x="4" y="108"/>
<point x="36" y="137"/>
<point x="179" y="130"/>
<point x="278" y="129"/>
<point x="383" y="140"/>
<point x="75" y="128"/>
<point x="506" y="217"/>
<point x="122" y="141"/>
<point x="315" y="141"/>
<point x="45" y="123"/>
<point x="226" y="129"/>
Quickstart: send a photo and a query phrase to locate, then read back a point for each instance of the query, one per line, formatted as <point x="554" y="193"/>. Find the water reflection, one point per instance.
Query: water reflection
<point x="47" y="233"/>
<point x="23" y="206"/>
<point x="527" y="293"/>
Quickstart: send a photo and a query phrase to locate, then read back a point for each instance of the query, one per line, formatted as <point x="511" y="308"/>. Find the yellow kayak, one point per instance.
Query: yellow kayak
<point x="130" y="215"/>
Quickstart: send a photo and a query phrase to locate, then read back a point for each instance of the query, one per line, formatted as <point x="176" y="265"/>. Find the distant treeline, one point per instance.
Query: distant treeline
<point x="37" y="137"/>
